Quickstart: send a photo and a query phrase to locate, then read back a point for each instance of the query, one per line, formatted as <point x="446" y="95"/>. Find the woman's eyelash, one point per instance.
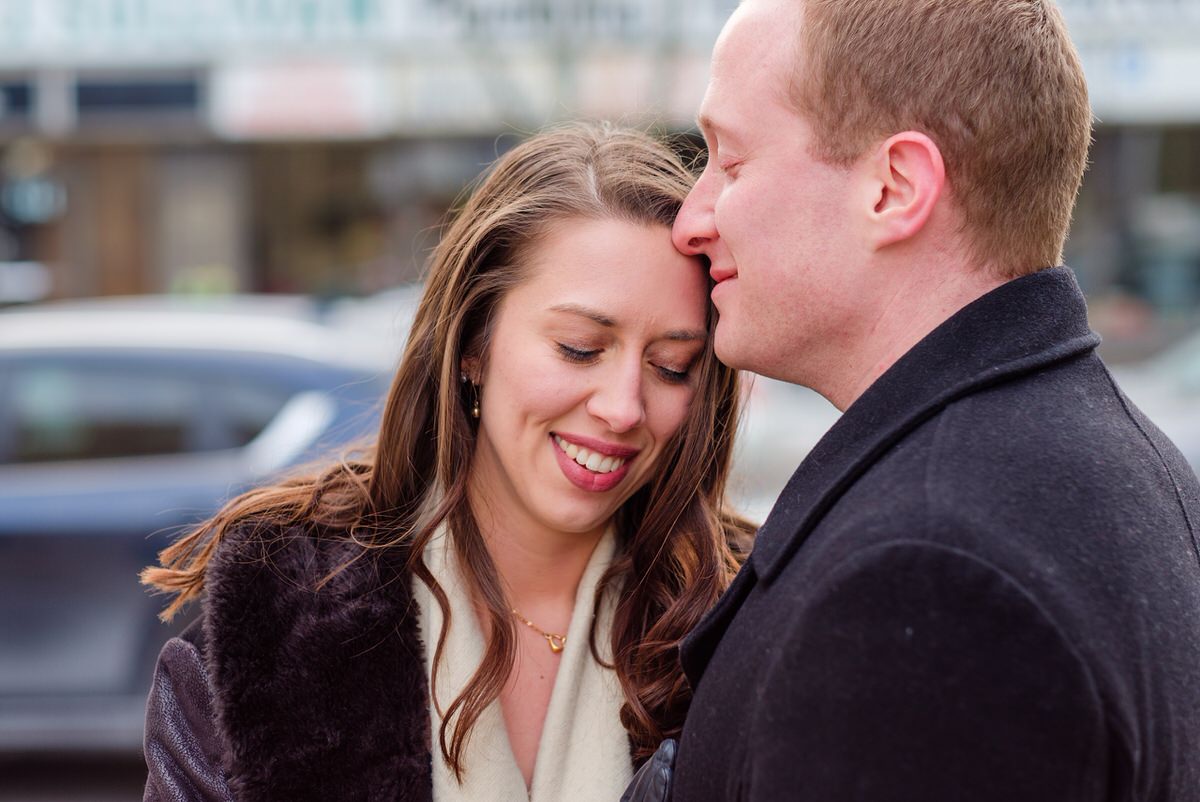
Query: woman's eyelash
<point x="584" y="355"/>
<point x="576" y="354"/>
<point x="673" y="376"/>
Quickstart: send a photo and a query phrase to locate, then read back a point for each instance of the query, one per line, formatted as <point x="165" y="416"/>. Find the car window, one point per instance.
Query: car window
<point x="247" y="407"/>
<point x="76" y="410"/>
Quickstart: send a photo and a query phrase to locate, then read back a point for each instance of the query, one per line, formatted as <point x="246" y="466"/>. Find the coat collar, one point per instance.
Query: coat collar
<point x="1019" y="327"/>
<point x="320" y="693"/>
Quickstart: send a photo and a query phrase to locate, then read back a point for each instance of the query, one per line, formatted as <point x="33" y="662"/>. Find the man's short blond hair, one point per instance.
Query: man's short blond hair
<point x="996" y="84"/>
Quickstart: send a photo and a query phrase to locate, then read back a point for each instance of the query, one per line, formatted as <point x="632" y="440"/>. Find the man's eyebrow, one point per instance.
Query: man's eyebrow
<point x="676" y="335"/>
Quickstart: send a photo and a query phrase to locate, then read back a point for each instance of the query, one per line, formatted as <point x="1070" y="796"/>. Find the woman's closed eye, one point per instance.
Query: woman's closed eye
<point x="585" y="356"/>
<point x="574" y="354"/>
<point x="672" y="375"/>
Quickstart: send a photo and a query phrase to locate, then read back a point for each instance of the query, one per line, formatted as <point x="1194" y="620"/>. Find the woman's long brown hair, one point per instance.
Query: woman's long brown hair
<point x="679" y="546"/>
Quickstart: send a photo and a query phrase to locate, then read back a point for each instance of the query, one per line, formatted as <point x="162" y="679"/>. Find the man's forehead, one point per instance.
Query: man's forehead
<point x="760" y="35"/>
<point x="756" y="48"/>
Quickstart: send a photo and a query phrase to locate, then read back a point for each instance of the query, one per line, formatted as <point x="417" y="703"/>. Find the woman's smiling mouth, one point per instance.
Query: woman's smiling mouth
<point x="592" y="460"/>
<point x="591" y="465"/>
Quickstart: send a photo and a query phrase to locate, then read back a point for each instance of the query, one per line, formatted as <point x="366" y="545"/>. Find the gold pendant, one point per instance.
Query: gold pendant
<point x="557" y="642"/>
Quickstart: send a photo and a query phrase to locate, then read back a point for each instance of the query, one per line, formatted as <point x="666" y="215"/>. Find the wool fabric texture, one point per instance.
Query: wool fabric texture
<point x="983" y="583"/>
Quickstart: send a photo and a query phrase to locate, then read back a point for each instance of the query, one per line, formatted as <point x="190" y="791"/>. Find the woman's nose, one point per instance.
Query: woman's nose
<point x="618" y="400"/>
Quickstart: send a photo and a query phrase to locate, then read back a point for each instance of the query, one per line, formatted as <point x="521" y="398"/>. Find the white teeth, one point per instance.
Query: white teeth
<point x="591" y="460"/>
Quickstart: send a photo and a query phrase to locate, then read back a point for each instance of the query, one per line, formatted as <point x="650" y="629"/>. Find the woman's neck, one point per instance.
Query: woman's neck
<point x="540" y="568"/>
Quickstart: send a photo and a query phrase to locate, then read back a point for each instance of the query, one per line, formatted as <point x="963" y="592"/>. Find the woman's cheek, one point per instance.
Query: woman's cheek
<point x="668" y="413"/>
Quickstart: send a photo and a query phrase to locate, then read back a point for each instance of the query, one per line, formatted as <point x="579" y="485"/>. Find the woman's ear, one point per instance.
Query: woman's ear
<point x="471" y="369"/>
<point x="907" y="177"/>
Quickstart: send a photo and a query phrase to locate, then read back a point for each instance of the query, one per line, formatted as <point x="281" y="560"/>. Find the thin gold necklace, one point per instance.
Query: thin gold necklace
<point x="557" y="642"/>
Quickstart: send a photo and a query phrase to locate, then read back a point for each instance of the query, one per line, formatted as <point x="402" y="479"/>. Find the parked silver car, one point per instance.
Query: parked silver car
<point x="121" y="422"/>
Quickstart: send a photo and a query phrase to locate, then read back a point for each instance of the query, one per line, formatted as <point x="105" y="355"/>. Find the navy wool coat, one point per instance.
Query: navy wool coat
<point x="982" y="584"/>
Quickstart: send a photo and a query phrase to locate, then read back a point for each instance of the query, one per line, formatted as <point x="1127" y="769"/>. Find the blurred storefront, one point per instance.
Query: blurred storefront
<point x="1136" y="238"/>
<point x="296" y="145"/>
<point x="314" y="145"/>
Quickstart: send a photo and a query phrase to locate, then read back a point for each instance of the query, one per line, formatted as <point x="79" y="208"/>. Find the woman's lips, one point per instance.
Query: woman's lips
<point x="586" y="479"/>
<point x="600" y="446"/>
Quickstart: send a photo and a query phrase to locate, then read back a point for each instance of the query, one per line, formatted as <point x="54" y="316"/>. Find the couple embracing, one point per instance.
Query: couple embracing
<point x="982" y="584"/>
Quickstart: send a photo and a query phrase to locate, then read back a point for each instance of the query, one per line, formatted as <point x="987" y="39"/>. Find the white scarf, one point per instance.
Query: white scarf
<point x="583" y="754"/>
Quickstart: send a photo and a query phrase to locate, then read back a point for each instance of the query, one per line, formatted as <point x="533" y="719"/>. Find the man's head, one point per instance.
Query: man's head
<point x="856" y="143"/>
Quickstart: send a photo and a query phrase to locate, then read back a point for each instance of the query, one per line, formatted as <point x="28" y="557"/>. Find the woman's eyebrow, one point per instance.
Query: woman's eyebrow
<point x="686" y="335"/>
<point x="678" y="335"/>
<point x="583" y="311"/>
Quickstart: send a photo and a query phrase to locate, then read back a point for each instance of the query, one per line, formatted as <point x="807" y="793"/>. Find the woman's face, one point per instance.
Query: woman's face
<point x="588" y="375"/>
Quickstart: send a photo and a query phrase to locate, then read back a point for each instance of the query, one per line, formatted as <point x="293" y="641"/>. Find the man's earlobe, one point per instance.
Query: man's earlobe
<point x="909" y="176"/>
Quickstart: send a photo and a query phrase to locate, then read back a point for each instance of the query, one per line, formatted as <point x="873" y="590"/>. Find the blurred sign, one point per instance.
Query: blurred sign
<point x="73" y="32"/>
<point x="1132" y="83"/>
<point x="57" y="30"/>
<point x="304" y="97"/>
<point x="437" y="65"/>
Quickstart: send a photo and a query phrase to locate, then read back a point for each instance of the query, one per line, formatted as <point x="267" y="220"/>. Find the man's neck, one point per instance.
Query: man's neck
<point x="899" y="321"/>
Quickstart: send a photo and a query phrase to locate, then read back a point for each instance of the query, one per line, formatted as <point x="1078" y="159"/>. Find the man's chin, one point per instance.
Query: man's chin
<point x="727" y="347"/>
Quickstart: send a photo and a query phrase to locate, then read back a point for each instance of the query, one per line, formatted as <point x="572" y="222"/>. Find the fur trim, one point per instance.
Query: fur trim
<point x="320" y="694"/>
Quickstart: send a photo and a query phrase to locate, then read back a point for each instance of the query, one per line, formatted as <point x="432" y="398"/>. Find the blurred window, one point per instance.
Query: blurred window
<point x="71" y="411"/>
<point x="16" y="100"/>
<point x="104" y="97"/>
<point x="248" y="408"/>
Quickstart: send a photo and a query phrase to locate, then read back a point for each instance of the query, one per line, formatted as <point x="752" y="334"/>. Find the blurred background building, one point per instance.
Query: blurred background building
<point x="312" y="145"/>
<point x="297" y="145"/>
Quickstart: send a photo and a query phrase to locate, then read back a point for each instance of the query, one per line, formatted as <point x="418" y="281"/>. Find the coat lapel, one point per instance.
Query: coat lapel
<point x="697" y="648"/>
<point x="1019" y="327"/>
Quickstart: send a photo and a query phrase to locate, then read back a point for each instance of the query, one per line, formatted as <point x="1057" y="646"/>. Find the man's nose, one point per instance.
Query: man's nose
<point x="695" y="227"/>
<point x="619" y="401"/>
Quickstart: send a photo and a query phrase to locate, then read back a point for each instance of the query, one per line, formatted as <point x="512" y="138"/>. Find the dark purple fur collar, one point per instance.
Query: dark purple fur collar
<point x="321" y="695"/>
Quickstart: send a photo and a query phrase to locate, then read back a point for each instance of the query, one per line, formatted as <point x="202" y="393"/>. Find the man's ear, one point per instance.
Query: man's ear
<point x="906" y="176"/>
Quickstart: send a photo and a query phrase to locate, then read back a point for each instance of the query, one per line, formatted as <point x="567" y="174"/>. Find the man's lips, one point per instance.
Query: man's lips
<point x="720" y="274"/>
